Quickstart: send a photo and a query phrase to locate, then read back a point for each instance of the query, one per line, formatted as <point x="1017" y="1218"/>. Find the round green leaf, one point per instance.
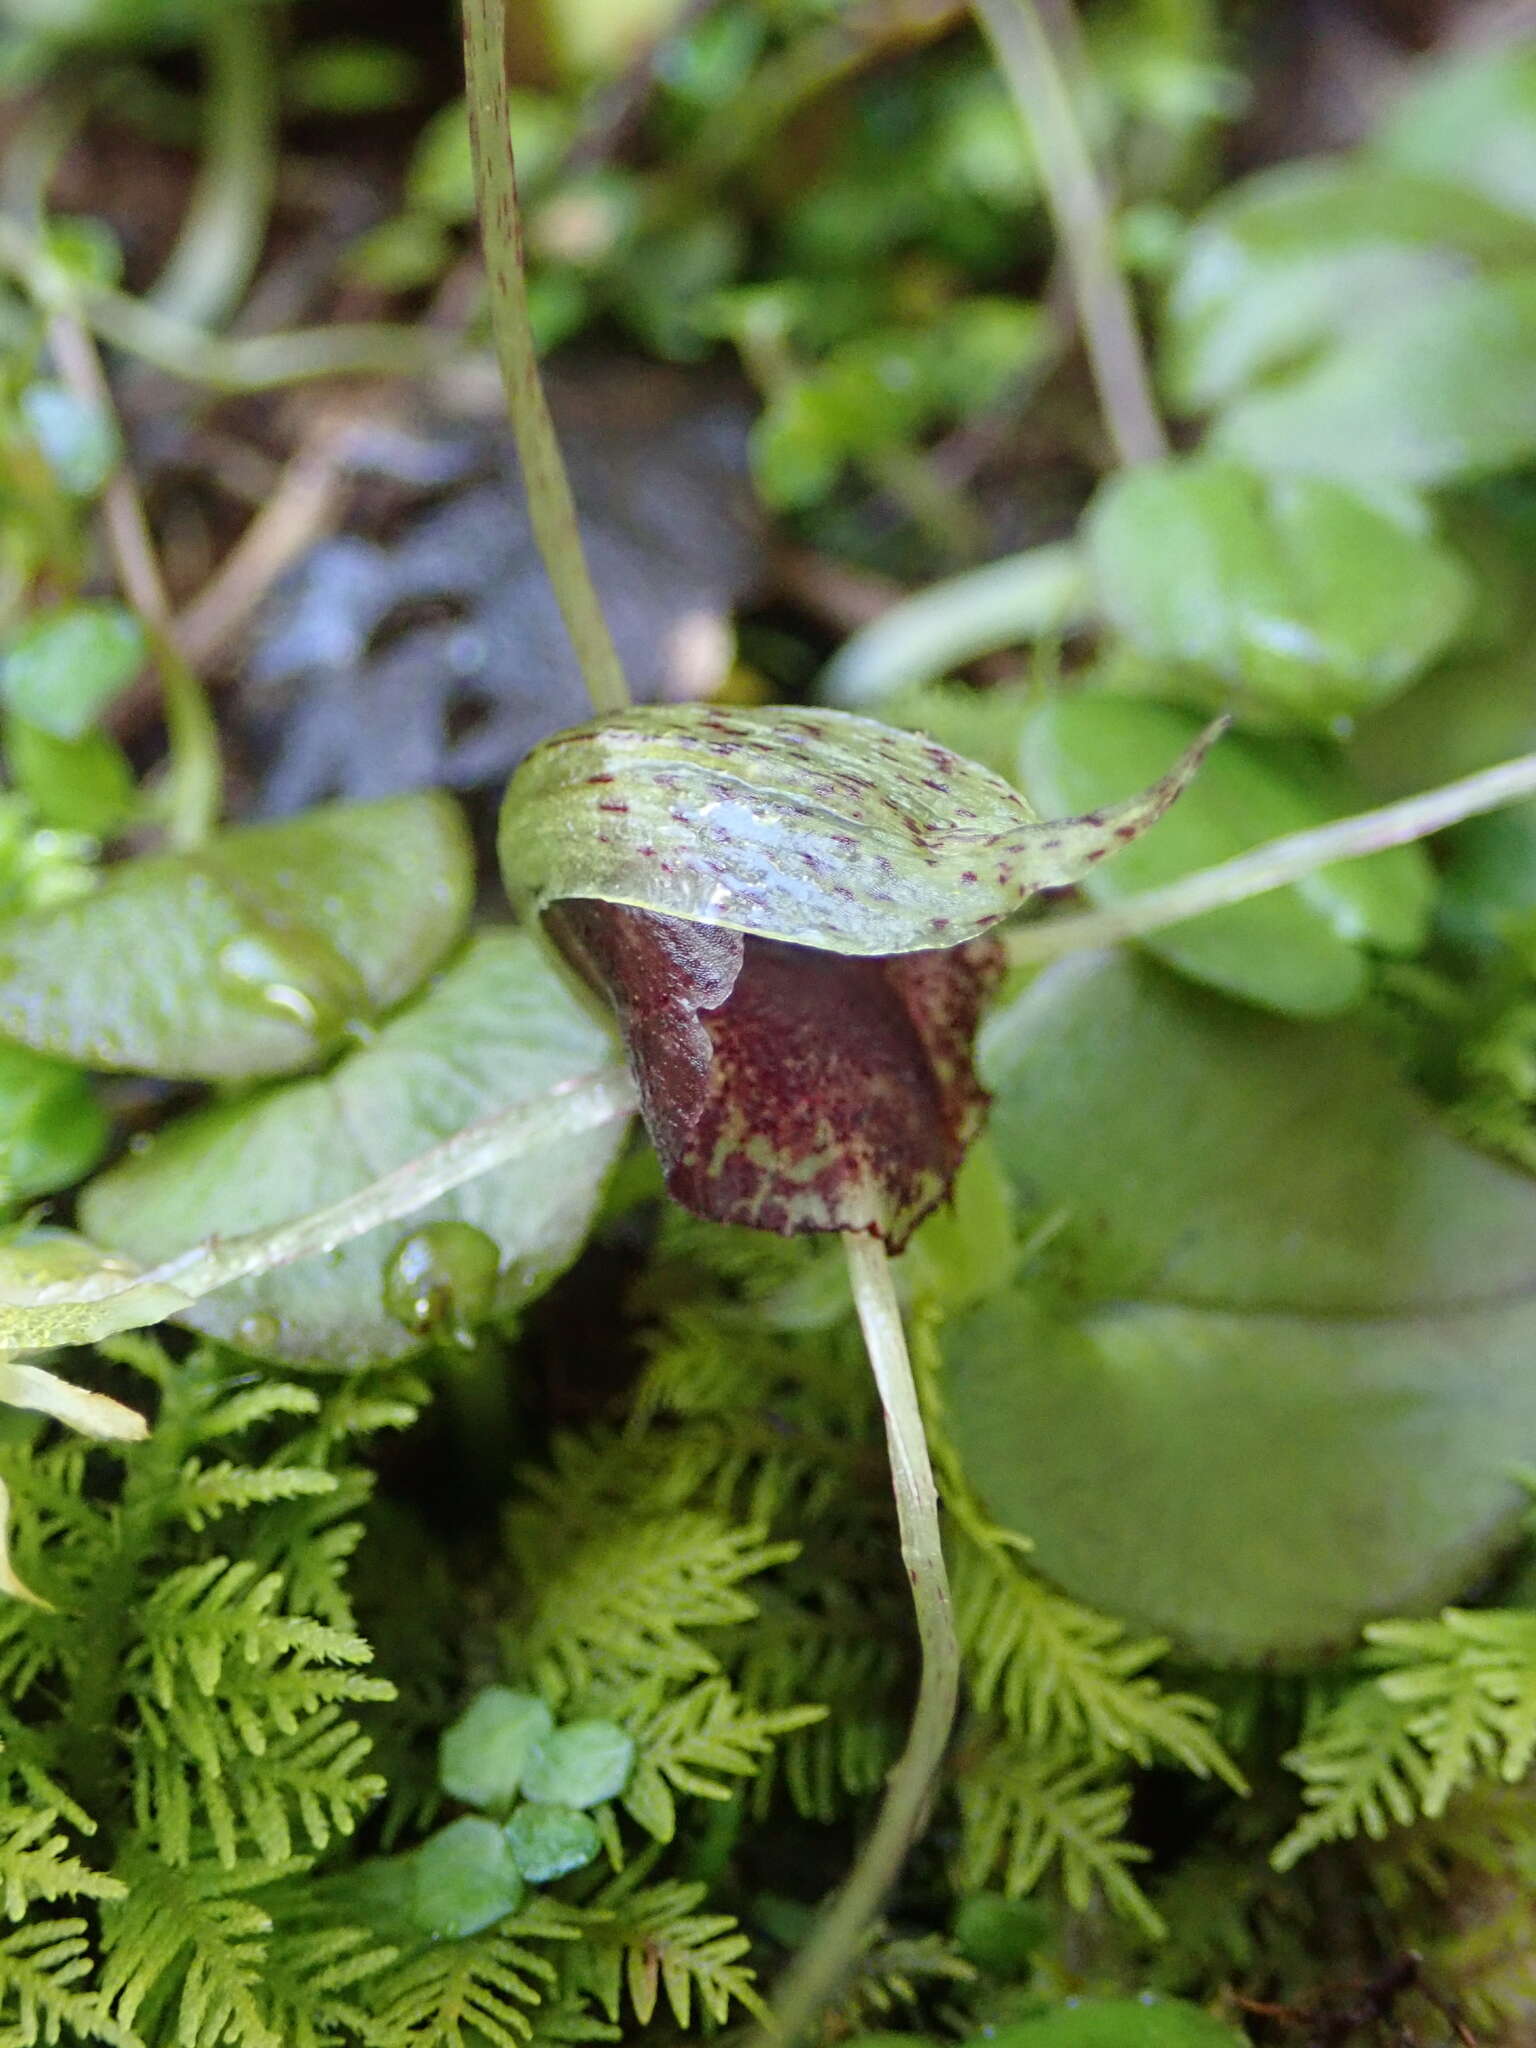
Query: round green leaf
<point x="482" y="1755"/>
<point x="1442" y="390"/>
<point x="551" y="1841"/>
<point x="1308" y="254"/>
<point x="463" y="1878"/>
<point x="83" y="785"/>
<point x="52" y="1128"/>
<point x="78" y="440"/>
<point x="254" y="954"/>
<point x="1145" y="2022"/>
<point x="815" y="827"/>
<point x="1295" y="949"/>
<point x="581" y="1764"/>
<point x="500" y="1027"/>
<point x="1282" y="1385"/>
<point x="1472" y="122"/>
<point x="64" y="668"/>
<point x="1313" y="599"/>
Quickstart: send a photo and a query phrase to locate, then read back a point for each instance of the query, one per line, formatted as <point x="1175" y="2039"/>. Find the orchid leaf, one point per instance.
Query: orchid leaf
<point x="816" y="828"/>
<point x="1296" y="949"/>
<point x="255" y="954"/>
<point x="494" y="1101"/>
<point x="1279" y="1297"/>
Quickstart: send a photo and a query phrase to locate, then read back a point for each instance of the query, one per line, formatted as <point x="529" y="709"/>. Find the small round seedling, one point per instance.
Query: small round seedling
<point x="464" y="1878"/>
<point x="484" y="1755"/>
<point x="550" y="1841"/>
<point x="581" y="1764"/>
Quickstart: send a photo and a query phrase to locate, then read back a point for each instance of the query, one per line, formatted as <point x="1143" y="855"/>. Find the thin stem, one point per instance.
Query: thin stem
<point x="257" y="362"/>
<point x="835" y="1944"/>
<point x="551" y="508"/>
<point x="1028" y="59"/>
<point x="1271" y="866"/>
<point x="225" y="224"/>
<point x="194" y="786"/>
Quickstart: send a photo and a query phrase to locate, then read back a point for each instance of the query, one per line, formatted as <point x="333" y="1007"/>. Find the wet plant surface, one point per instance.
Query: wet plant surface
<point x="1057" y="926"/>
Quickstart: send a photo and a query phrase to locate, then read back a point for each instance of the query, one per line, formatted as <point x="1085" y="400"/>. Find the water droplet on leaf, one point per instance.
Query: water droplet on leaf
<point x="297" y="974"/>
<point x="441" y="1280"/>
<point x="258" y="1332"/>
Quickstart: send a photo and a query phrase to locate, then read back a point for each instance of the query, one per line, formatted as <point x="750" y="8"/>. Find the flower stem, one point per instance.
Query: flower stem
<point x="551" y="507"/>
<point x="226" y="220"/>
<point x="1028" y="59"/>
<point x="834" y="1946"/>
<point x="1279" y="861"/>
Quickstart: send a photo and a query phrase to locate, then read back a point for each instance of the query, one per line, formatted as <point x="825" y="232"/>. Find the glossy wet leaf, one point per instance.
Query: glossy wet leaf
<point x="816" y="828"/>
<point x="1300" y="258"/>
<point x="1472" y="122"/>
<point x="1274" y="1381"/>
<point x="1296" y="949"/>
<point x="1442" y="390"/>
<point x="497" y="1030"/>
<point x="252" y="955"/>
<point x="1310" y="599"/>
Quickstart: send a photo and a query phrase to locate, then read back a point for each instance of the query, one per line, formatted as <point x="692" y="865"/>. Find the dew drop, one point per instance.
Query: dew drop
<point x="441" y="1280"/>
<point x="295" y="974"/>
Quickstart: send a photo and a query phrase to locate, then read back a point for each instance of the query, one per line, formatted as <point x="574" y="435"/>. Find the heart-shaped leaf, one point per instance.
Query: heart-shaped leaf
<point x="1295" y="949"/>
<point x="1314" y="600"/>
<point x="1441" y="391"/>
<point x="817" y="828"/>
<point x="499" y="1029"/>
<point x="252" y="955"/>
<point x="1278" y="1382"/>
<point x="1308" y="254"/>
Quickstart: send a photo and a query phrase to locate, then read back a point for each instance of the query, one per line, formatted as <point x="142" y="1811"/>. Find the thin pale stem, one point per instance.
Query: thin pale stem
<point x="835" y="1944"/>
<point x="1279" y="861"/>
<point x="1028" y="59"/>
<point x="194" y="787"/>
<point x="551" y="508"/>
<point x="256" y="362"/>
<point x="225" y="224"/>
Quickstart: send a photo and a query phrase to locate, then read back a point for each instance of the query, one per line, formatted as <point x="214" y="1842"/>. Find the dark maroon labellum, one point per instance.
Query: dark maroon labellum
<point x="788" y="1088"/>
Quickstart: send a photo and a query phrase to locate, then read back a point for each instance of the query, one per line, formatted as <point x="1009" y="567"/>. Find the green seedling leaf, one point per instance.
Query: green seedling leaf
<point x="817" y="828"/>
<point x="1303" y="257"/>
<point x="44" y="1393"/>
<point x="482" y="1756"/>
<point x="1145" y="2022"/>
<point x="78" y="441"/>
<point x="552" y="1841"/>
<point x="64" y="668"/>
<point x="498" y="1054"/>
<point x="52" y="1128"/>
<point x="1441" y="391"/>
<point x="1310" y="598"/>
<point x="83" y="785"/>
<point x="1296" y="949"/>
<point x="1471" y="123"/>
<point x="254" y="954"/>
<point x="463" y="1878"/>
<point x="1280" y="1353"/>
<point x="581" y="1764"/>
